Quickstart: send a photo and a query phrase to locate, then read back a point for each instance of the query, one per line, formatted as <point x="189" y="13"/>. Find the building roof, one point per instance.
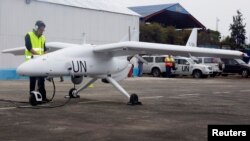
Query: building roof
<point x="168" y="14"/>
<point x="100" y="5"/>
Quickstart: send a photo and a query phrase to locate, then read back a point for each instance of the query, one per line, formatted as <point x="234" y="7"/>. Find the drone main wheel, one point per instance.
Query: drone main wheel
<point x="73" y="94"/>
<point x="134" y="100"/>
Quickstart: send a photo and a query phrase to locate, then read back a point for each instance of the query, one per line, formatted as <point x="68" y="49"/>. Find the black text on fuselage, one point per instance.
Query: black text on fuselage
<point x="79" y="66"/>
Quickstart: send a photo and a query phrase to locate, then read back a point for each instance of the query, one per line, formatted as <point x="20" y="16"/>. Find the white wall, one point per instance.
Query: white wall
<point x="64" y="23"/>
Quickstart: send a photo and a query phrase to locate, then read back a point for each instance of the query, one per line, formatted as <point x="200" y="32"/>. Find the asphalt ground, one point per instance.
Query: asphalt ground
<point x="174" y="109"/>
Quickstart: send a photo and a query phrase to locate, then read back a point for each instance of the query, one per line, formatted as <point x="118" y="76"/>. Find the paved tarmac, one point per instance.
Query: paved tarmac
<point x="175" y="109"/>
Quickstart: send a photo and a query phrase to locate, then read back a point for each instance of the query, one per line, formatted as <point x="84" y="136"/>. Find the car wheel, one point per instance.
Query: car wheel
<point x="156" y="72"/>
<point x="197" y="74"/>
<point x="204" y="76"/>
<point x="213" y="75"/>
<point x="244" y="73"/>
<point x="225" y="75"/>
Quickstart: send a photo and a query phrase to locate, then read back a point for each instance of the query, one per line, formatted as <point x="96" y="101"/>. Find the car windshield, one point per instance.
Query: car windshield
<point x="196" y="61"/>
<point x="240" y="61"/>
<point x="192" y="61"/>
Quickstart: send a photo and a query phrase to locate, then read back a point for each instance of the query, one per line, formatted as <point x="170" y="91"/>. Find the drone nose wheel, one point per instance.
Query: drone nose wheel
<point x="73" y="94"/>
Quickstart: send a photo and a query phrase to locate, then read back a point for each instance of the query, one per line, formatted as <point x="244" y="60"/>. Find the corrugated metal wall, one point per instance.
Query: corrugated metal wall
<point x="64" y="23"/>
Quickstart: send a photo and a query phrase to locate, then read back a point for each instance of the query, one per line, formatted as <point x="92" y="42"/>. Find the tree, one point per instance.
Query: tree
<point x="209" y="38"/>
<point x="151" y="33"/>
<point x="157" y="33"/>
<point x="238" y="32"/>
<point x="169" y="35"/>
<point x="227" y="42"/>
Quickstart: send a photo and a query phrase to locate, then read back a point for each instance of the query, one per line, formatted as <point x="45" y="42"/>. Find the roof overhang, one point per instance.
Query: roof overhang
<point x="100" y="5"/>
<point x="170" y="18"/>
<point x="168" y="15"/>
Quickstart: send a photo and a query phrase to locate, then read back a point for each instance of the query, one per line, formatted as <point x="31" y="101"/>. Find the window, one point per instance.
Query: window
<point x="225" y="61"/>
<point x="198" y="61"/>
<point x="208" y="60"/>
<point x="160" y="59"/>
<point x="182" y="61"/>
<point x="240" y="61"/>
<point x="148" y="59"/>
<point x="211" y="60"/>
<point x="232" y="62"/>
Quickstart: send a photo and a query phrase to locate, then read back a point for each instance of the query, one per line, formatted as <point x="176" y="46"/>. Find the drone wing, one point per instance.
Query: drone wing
<point x="132" y="48"/>
<point x="51" y="47"/>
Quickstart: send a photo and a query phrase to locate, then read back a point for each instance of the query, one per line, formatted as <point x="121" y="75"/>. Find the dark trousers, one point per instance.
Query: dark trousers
<point x="41" y="85"/>
<point x="168" y="71"/>
<point x="140" y="67"/>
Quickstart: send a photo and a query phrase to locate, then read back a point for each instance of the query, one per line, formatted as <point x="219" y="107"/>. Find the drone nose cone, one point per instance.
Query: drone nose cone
<point x="33" y="67"/>
<point x="23" y="69"/>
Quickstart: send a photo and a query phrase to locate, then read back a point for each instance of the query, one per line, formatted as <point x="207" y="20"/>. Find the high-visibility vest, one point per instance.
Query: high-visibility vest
<point x="37" y="44"/>
<point x="169" y="61"/>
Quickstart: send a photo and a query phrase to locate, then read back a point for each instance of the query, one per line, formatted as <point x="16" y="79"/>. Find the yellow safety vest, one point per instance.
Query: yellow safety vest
<point x="37" y="44"/>
<point x="169" y="61"/>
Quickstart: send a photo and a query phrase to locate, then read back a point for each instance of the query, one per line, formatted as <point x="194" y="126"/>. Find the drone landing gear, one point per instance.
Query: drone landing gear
<point x="133" y="98"/>
<point x="73" y="94"/>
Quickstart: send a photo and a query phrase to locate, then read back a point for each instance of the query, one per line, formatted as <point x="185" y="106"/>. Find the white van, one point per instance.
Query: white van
<point x="186" y="66"/>
<point x="183" y="66"/>
<point x="216" y="64"/>
<point x="155" y="66"/>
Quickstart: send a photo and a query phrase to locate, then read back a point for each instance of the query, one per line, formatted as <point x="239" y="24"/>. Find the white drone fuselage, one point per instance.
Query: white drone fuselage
<point x="78" y="60"/>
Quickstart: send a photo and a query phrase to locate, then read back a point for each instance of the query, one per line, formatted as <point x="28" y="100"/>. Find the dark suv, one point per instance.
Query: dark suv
<point x="236" y="66"/>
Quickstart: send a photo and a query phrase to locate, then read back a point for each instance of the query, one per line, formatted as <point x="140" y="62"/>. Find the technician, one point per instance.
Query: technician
<point x="35" y="45"/>
<point x="169" y="64"/>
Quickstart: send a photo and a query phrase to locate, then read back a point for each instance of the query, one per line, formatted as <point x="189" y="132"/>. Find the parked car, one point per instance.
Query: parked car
<point x="216" y="64"/>
<point x="187" y="66"/>
<point x="235" y="66"/>
<point x="155" y="66"/>
<point x="183" y="66"/>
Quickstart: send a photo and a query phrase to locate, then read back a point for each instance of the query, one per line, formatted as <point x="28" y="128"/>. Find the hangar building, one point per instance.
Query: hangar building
<point x="67" y="21"/>
<point x="168" y="15"/>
